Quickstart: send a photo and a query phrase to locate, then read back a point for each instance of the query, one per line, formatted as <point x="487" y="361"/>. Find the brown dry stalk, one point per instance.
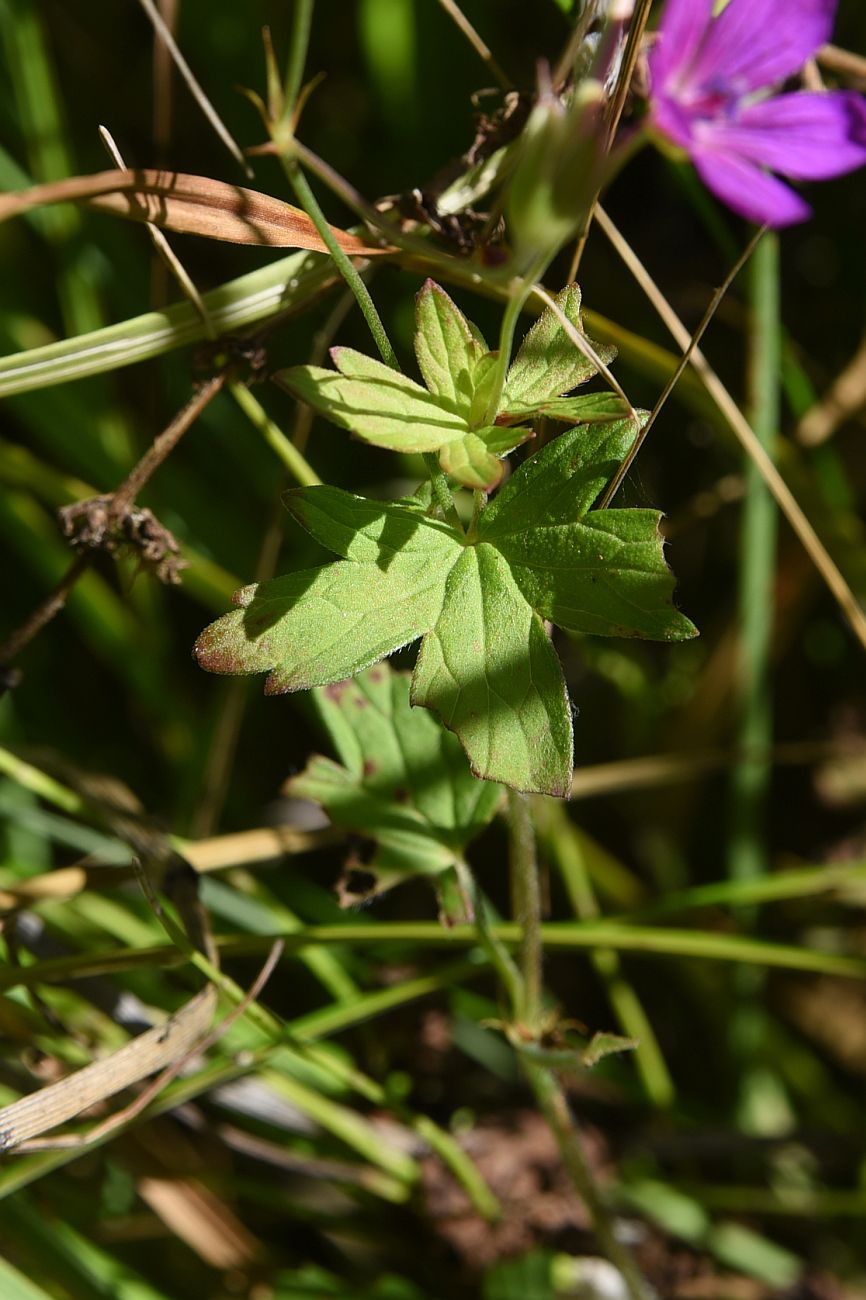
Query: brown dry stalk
<point x="27" y="1118"/>
<point x="845" y="397"/>
<point x="116" y="508"/>
<point x="44" y="612"/>
<point x="192" y="205"/>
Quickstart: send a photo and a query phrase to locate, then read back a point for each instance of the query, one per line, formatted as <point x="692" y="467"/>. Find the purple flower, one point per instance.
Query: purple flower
<point x="711" y="79"/>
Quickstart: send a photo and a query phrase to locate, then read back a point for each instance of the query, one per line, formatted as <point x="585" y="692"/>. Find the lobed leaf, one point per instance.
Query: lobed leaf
<point x="475" y="461"/>
<point x="446" y="347"/>
<point x="486" y="664"/>
<point x="563" y="481"/>
<point x="490" y="672"/>
<point x="605" y="574"/>
<point x="404" y="780"/>
<point x="374" y="402"/>
<point x="372" y="532"/>
<point x="548" y="362"/>
<point x="589" y="408"/>
<point x="323" y="625"/>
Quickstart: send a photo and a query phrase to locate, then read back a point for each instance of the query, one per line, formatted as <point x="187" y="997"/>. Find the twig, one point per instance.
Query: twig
<point x="117" y="505"/>
<point x="125" y="1116"/>
<point x="456" y="14"/>
<point x="44" y="613"/>
<point x="616" y="482"/>
<point x="744" y="433"/>
<point x="845" y="397"/>
<point x="844" y="61"/>
<point x="195" y="89"/>
<point x="163" y="444"/>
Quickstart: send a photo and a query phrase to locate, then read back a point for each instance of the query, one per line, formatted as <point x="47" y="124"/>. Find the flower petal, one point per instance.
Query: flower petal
<point x="805" y="136"/>
<point x="682" y="26"/>
<point x="744" y="187"/>
<point x="757" y="43"/>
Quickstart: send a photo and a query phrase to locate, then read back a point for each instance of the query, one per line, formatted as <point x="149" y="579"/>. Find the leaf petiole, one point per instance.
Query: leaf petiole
<point x="442" y="492"/>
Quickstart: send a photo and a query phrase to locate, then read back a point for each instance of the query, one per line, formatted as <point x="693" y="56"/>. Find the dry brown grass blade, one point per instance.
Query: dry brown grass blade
<point x="196" y="1215"/>
<point x="151" y="1051"/>
<point x="190" y="205"/>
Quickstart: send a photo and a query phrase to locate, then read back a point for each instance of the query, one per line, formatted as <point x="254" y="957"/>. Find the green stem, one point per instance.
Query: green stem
<point x="703" y="945"/>
<point x="342" y="261"/>
<point x="757" y="559"/>
<point x="516" y="302"/>
<point x="554" y="1107"/>
<point x="441" y="490"/>
<point x="302" y="18"/>
<point x="523" y="861"/>
<point x="500" y="958"/>
<point x="750" y="779"/>
<point x="295" y="463"/>
<point x="563" y="845"/>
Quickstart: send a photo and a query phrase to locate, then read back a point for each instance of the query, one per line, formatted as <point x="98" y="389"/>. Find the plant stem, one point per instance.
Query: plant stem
<point x="162" y="446"/>
<point x="297" y="465"/>
<point x="44" y="612"/>
<point x="523" y="861"/>
<point x="302" y="18"/>
<point x="563" y="845"/>
<point x="555" y="1108"/>
<point x="757" y="561"/>
<point x="441" y="490"/>
<point x="500" y="958"/>
<point x="762" y="1108"/>
<point x="516" y="301"/>
<point x="342" y="261"/>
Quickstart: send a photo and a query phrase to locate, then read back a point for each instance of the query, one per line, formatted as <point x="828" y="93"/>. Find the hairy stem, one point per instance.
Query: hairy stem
<point x="441" y="490"/>
<point x="554" y="1106"/>
<point x="523" y="861"/>
<point x="343" y="262"/>
<point x="527" y="1011"/>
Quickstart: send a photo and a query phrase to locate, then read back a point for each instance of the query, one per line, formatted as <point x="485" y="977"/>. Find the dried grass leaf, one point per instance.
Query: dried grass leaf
<point x="190" y="205"/>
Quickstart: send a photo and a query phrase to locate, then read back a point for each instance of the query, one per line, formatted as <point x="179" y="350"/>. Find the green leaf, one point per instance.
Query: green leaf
<point x="589" y="408"/>
<point x="389" y="410"/>
<point x="484" y="380"/>
<point x="486" y="664"/>
<point x="446" y="347"/>
<point x="602" y="1045"/>
<point x="548" y="363"/>
<point x="375" y="402"/>
<point x="368" y="531"/>
<point x="402" y="779"/>
<point x="562" y="482"/>
<point x="490" y="672"/>
<point x="475" y="461"/>
<point x="323" y="625"/>
<point x="605" y="575"/>
<point x="602" y="572"/>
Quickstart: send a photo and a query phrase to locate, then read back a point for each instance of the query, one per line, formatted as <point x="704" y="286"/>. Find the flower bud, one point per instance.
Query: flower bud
<point x="559" y="169"/>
